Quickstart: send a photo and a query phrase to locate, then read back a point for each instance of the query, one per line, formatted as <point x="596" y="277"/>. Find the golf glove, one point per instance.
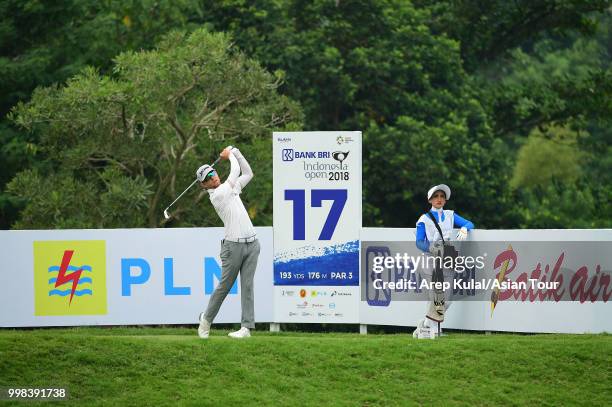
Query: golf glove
<point x="462" y="234"/>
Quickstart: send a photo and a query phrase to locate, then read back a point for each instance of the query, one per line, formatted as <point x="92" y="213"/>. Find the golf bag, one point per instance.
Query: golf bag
<point x="449" y="253"/>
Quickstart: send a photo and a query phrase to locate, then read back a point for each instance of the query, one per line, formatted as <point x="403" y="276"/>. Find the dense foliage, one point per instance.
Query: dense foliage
<point x="510" y="103"/>
<point x="120" y="146"/>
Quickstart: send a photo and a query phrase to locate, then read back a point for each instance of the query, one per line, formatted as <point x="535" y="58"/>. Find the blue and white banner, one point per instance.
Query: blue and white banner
<point x="317" y="219"/>
<point x="121" y="277"/>
<point x="529" y="256"/>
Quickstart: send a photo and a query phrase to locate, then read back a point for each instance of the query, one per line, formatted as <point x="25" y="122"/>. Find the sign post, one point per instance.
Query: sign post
<point x="317" y="220"/>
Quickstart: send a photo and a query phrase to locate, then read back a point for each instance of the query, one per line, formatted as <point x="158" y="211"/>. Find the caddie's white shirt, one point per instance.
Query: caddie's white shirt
<point x="226" y="201"/>
<point x="446" y="225"/>
<point x="431" y="231"/>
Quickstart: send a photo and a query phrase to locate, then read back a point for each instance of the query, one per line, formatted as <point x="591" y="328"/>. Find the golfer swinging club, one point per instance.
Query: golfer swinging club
<point x="433" y="232"/>
<point x="240" y="248"/>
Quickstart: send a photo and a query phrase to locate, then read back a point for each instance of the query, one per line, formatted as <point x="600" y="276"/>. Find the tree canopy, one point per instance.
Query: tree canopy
<point x="121" y="146"/>
<point x="479" y="95"/>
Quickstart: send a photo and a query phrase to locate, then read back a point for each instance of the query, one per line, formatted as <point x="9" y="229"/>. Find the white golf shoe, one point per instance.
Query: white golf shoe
<point x="420" y="324"/>
<point x="204" y="328"/>
<point x="241" y="333"/>
<point x="422" y="331"/>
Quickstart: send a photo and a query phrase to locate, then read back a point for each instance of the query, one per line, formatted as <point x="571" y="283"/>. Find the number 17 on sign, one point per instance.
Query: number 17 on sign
<point x="317" y="196"/>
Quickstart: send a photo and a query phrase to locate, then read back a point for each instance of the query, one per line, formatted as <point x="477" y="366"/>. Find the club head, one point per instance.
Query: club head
<point x="166" y="214"/>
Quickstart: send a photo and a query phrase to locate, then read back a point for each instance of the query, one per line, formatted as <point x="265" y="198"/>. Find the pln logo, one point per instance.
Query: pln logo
<point x="70" y="277"/>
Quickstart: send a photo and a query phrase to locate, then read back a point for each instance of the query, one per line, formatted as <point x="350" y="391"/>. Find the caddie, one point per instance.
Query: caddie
<point x="240" y="247"/>
<point x="433" y="236"/>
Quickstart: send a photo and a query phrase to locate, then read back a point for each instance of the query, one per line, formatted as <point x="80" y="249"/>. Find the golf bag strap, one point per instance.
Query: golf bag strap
<point x="437" y="225"/>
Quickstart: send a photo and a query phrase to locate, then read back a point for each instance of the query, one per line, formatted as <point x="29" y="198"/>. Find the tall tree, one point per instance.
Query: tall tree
<point x="42" y="43"/>
<point x="377" y="66"/>
<point x="489" y="29"/>
<point x="121" y="146"/>
<point x="560" y="87"/>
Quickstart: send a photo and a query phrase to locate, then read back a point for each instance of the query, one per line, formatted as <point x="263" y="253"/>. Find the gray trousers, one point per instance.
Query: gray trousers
<point x="236" y="258"/>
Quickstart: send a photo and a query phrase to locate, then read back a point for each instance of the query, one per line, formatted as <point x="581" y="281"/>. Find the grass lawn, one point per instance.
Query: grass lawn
<point x="148" y="366"/>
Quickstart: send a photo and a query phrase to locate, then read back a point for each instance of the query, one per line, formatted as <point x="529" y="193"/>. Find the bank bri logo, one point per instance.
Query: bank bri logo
<point x="70" y="277"/>
<point x="287" y="154"/>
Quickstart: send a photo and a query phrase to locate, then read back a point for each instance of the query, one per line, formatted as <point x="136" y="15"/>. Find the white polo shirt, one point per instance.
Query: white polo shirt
<point x="226" y="201"/>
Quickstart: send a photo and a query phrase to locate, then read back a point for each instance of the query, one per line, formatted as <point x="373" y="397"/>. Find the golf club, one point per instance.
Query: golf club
<point x="166" y="215"/>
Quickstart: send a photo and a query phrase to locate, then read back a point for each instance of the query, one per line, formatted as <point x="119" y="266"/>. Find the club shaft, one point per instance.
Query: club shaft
<point x="183" y="193"/>
<point x="187" y="189"/>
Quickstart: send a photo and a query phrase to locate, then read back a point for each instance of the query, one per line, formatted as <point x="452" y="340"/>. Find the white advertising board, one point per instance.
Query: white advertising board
<point x="166" y="276"/>
<point x="584" y="308"/>
<point x="125" y="276"/>
<point x="317" y="218"/>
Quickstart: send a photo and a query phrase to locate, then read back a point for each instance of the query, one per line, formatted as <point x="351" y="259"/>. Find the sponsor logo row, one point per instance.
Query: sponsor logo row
<point x="340" y="139"/>
<point x="303" y="293"/>
<point x="319" y="314"/>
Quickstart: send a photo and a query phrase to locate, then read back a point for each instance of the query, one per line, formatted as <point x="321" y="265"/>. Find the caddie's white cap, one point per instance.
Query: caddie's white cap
<point x="203" y="171"/>
<point x="442" y="187"/>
